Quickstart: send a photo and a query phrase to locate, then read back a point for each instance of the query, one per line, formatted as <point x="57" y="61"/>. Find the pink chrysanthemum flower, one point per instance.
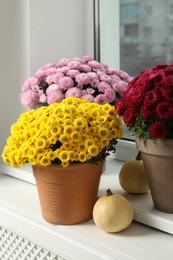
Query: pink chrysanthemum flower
<point x="66" y="83"/>
<point x="42" y="98"/>
<point x="53" y="88"/>
<point x="88" y="97"/>
<point x="63" y="62"/>
<point x="55" y="96"/>
<point x="57" y="77"/>
<point x="74" y="77"/>
<point x="110" y="94"/>
<point x="72" y="73"/>
<point x="101" y="99"/>
<point x="29" y="98"/>
<point x="74" y="64"/>
<point x="83" y="79"/>
<point x="73" y="92"/>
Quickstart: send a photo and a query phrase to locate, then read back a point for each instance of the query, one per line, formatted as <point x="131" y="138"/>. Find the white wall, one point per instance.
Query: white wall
<point x="59" y="29"/>
<point x="33" y="33"/>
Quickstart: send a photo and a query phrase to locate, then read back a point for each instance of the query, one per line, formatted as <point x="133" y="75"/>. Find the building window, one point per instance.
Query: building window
<point x="148" y="11"/>
<point x="131" y="30"/>
<point x="171" y="30"/>
<point x="147" y="31"/>
<point x="171" y="9"/>
<point x="128" y="10"/>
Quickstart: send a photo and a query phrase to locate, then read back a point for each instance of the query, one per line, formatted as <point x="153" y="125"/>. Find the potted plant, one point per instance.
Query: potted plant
<point x="147" y="110"/>
<point x="84" y="78"/>
<point x="66" y="143"/>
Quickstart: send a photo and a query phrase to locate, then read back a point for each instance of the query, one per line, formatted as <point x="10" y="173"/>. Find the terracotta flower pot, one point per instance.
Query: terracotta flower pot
<point x="158" y="163"/>
<point x="67" y="195"/>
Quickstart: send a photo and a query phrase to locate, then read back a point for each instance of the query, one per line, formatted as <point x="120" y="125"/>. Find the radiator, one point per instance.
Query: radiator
<point x="16" y="247"/>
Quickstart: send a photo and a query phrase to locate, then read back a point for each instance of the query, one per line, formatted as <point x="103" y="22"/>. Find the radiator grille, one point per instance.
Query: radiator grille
<point x="16" y="247"/>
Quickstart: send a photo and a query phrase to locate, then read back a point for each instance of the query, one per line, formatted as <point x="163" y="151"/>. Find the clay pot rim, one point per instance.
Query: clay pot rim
<point x="160" y="147"/>
<point x="73" y="165"/>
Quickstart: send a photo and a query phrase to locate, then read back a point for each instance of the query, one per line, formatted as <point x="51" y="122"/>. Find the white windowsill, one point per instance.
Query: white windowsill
<point x="20" y="212"/>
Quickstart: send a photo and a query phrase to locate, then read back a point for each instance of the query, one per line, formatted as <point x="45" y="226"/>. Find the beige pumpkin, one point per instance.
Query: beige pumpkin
<point x="132" y="176"/>
<point x="112" y="212"/>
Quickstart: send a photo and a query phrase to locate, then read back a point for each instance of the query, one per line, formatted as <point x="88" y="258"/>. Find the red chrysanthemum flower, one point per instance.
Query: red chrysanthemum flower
<point x="152" y="98"/>
<point x="157" y="130"/>
<point x="164" y="110"/>
<point x="167" y="93"/>
<point x="146" y="111"/>
<point x="168" y="80"/>
<point x="149" y="97"/>
<point x="120" y="108"/>
<point x="129" y="117"/>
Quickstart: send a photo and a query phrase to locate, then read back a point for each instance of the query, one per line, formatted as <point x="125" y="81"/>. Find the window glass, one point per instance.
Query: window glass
<point x="146" y="34"/>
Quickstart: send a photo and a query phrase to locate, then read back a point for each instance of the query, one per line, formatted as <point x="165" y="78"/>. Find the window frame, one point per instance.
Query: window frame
<point x="126" y="148"/>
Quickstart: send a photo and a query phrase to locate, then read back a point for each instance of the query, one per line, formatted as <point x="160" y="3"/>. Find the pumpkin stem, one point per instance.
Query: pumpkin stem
<point x="138" y="157"/>
<point x="109" y="192"/>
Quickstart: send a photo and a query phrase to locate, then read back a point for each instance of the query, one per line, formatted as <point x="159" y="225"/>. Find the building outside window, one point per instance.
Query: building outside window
<point x="147" y="30"/>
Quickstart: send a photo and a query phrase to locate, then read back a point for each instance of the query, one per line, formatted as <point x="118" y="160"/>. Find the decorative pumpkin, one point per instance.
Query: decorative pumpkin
<point x="132" y="176"/>
<point x="112" y="212"/>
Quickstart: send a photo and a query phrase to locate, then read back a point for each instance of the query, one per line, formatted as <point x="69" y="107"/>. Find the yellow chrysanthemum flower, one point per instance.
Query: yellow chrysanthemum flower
<point x="15" y="164"/>
<point x="84" y="136"/>
<point x="66" y="146"/>
<point x="63" y="138"/>
<point x="119" y="121"/>
<point x="69" y="101"/>
<point x="103" y="132"/>
<point x="68" y="110"/>
<point x="93" y="150"/>
<point x="82" y="157"/>
<point x="109" y="110"/>
<point x="101" y="119"/>
<point x="114" y="132"/>
<point x="45" y="161"/>
<point x="40" y="143"/>
<point x="52" y="140"/>
<point x="51" y="155"/>
<point x="14" y="128"/>
<point x="60" y="121"/>
<point x="67" y="121"/>
<point x="55" y="130"/>
<point x="90" y="118"/>
<point x="64" y="156"/>
<point x="11" y="139"/>
<point x="80" y="122"/>
<point x="89" y="142"/>
<point x="81" y="146"/>
<point x="68" y="130"/>
<point x="6" y="159"/>
<point x="94" y="113"/>
<point x="75" y="136"/>
<point x="65" y="163"/>
<point x="104" y="142"/>
<point x="72" y="155"/>
<point x="120" y="133"/>
<point x="31" y="151"/>
<point x="72" y="130"/>
<point x="92" y="130"/>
